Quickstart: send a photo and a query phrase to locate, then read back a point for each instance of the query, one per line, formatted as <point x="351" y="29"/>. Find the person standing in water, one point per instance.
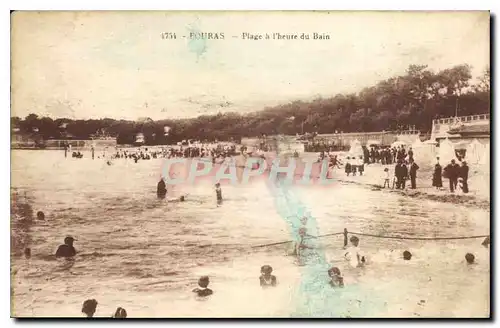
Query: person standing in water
<point x="353" y="254"/>
<point x="120" y="313"/>
<point x="67" y="249"/>
<point x="204" y="290"/>
<point x="218" y="192"/>
<point x="92" y="150"/>
<point x="161" y="189"/>
<point x="266" y="278"/>
<point x="336" y="279"/>
<point x="89" y="307"/>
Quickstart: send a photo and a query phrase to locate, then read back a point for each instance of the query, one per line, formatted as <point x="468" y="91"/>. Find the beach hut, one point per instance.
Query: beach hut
<point x="356" y="149"/>
<point x="446" y="151"/>
<point x="485" y="157"/>
<point x="423" y="152"/>
<point x="475" y="151"/>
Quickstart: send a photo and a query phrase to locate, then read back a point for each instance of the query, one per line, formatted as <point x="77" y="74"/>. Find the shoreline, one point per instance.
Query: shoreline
<point x="473" y="199"/>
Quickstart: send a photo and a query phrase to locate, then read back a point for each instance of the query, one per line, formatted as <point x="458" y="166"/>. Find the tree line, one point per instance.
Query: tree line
<point x="398" y="103"/>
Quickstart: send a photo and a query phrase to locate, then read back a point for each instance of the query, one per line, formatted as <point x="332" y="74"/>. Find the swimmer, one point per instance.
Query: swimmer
<point x="470" y="258"/>
<point x="353" y="254"/>
<point x="27" y="252"/>
<point x="266" y="278"/>
<point x="161" y="189"/>
<point x="336" y="277"/>
<point x="407" y="255"/>
<point x="66" y="250"/>
<point x="120" y="313"/>
<point x="486" y="242"/>
<point x="204" y="290"/>
<point x="40" y="216"/>
<point x="89" y="307"/>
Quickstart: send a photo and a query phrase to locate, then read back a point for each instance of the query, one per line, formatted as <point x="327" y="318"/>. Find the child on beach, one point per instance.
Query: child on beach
<point x="204" y="290"/>
<point x="386" y="177"/>
<point x="266" y="278"/>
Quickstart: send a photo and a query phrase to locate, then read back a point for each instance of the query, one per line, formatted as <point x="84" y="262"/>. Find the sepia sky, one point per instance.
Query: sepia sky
<point x="115" y="64"/>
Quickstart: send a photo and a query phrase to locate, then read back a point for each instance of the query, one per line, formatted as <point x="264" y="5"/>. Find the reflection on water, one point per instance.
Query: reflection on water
<point x="146" y="255"/>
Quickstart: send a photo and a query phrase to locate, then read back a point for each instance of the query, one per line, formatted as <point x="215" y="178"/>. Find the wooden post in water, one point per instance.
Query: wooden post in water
<point x="345" y="237"/>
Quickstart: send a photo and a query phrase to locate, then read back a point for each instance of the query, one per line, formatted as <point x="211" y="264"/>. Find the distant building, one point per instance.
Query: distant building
<point x="462" y="129"/>
<point x="446" y="127"/>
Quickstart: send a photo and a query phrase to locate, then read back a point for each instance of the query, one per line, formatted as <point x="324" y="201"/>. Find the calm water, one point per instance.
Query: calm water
<point x="146" y="255"/>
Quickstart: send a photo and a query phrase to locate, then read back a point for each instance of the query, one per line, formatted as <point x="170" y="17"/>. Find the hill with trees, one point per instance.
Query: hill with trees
<point x="413" y="99"/>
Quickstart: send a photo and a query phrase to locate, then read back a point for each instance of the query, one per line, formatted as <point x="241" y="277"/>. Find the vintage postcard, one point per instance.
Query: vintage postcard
<point x="250" y="164"/>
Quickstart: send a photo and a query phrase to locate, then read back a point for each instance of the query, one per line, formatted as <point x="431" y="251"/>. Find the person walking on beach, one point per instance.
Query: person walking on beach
<point x="464" y="174"/>
<point x="410" y="155"/>
<point x="348" y="166"/>
<point x="452" y="171"/>
<point x="413" y="173"/>
<point x="401" y="172"/>
<point x="437" y="180"/>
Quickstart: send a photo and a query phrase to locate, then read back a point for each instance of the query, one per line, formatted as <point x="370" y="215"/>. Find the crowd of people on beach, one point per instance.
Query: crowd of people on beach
<point x="405" y="168"/>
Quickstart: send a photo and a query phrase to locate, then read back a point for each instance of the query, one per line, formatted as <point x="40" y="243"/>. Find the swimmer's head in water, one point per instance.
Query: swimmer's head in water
<point x="40" y="215"/>
<point x="203" y="282"/>
<point x="120" y="313"/>
<point x="334" y="272"/>
<point x="266" y="269"/>
<point x="407" y="255"/>
<point x="69" y="240"/>
<point x="182" y="198"/>
<point x="470" y="258"/>
<point x="354" y="240"/>
<point x="486" y="242"/>
<point x="89" y="307"/>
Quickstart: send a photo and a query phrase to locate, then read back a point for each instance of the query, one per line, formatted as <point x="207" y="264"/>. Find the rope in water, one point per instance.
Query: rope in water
<point x="380" y="236"/>
<point x="418" y="238"/>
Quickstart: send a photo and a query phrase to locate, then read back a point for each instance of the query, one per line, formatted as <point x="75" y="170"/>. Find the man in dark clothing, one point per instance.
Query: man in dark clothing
<point x="464" y="174"/>
<point x="410" y="154"/>
<point x="452" y="171"/>
<point x="66" y="250"/>
<point x="401" y="172"/>
<point x="413" y="173"/>
<point x="161" y="189"/>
